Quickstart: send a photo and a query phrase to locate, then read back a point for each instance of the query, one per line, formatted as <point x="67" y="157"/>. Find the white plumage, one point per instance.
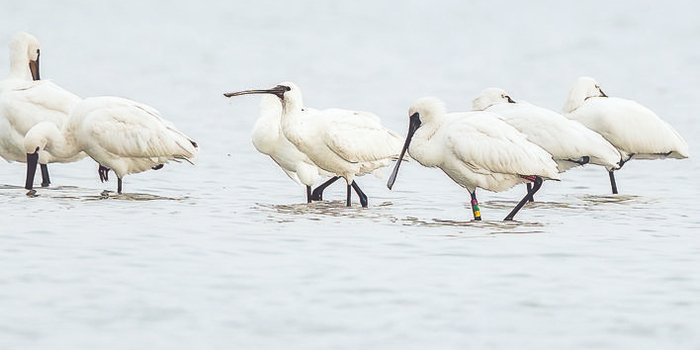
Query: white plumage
<point x="569" y="142"/>
<point x="475" y="149"/>
<point x="122" y="135"/>
<point x="26" y="101"/>
<point x="636" y="131"/>
<point x="341" y="142"/>
<point x="269" y="139"/>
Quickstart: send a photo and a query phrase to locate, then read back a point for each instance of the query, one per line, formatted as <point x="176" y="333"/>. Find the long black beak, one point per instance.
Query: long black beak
<point x="32" y="160"/>
<point x="510" y="100"/>
<point x="278" y="90"/>
<point x="34" y="67"/>
<point x="602" y="94"/>
<point x="413" y="125"/>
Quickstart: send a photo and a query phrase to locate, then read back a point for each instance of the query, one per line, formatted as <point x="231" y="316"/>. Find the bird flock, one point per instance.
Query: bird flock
<point x="500" y="143"/>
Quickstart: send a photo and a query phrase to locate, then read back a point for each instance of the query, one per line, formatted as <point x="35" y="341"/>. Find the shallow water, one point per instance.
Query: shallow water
<point x="225" y="254"/>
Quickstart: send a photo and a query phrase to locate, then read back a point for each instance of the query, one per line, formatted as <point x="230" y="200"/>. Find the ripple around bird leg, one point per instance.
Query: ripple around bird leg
<point x="616" y="199"/>
<point x="132" y="197"/>
<point x="502" y="226"/>
<point x="328" y="208"/>
<point x="78" y="193"/>
<point x="385" y="212"/>
<point x="10" y="187"/>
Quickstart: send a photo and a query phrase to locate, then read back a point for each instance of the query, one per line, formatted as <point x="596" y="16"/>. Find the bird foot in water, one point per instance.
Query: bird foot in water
<point x="32" y="193"/>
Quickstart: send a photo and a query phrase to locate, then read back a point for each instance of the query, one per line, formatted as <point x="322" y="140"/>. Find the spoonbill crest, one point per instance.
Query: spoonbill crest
<point x="341" y="142"/>
<point x="569" y="142"/>
<point x="119" y="134"/>
<point x="636" y="131"/>
<point x="475" y="149"/>
<point x="26" y="101"/>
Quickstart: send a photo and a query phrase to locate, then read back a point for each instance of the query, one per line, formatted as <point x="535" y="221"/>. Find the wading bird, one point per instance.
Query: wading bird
<point x="269" y="139"/>
<point x="633" y="129"/>
<point x="26" y="101"/>
<point x="476" y="150"/>
<point x="569" y="142"/>
<point x="344" y="143"/>
<point x="119" y="134"/>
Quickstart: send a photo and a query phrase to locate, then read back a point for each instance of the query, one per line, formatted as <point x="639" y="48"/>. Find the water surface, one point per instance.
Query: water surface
<point x="225" y="254"/>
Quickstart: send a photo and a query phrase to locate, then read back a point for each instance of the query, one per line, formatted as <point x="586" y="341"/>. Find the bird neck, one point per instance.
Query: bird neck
<point x="19" y="64"/>
<point x="422" y="148"/>
<point x="59" y="144"/>
<point x="291" y="119"/>
<point x="575" y="100"/>
<point x="266" y="131"/>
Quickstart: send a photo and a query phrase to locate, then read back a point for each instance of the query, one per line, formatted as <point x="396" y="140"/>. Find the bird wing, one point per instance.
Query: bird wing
<point x="487" y="145"/>
<point x="629" y="126"/>
<point x="29" y="103"/>
<point x="131" y="129"/>
<point x="564" y="139"/>
<point x="359" y="136"/>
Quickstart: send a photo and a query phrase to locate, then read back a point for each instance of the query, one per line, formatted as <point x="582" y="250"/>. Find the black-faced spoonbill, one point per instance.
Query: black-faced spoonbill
<point x="568" y="141"/>
<point x="119" y="134"/>
<point x="475" y="149"/>
<point x="26" y="101"/>
<point x="341" y="142"/>
<point x="636" y="131"/>
<point x="268" y="139"/>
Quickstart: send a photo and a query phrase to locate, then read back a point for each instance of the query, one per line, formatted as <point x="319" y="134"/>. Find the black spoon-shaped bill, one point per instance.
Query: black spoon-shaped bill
<point x="278" y="90"/>
<point x="413" y="125"/>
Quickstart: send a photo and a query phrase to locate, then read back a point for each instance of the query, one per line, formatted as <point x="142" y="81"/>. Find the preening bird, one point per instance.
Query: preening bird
<point x="636" y="131"/>
<point x="475" y="149"/>
<point x="344" y="143"/>
<point x="26" y="101"/>
<point x="119" y="134"/>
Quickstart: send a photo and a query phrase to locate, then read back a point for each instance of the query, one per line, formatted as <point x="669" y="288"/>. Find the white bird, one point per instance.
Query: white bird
<point x="568" y="141"/>
<point x="475" y="149"/>
<point x="341" y="142"/>
<point x="269" y="139"/>
<point x="26" y="101"/>
<point x="119" y="134"/>
<point x="636" y="131"/>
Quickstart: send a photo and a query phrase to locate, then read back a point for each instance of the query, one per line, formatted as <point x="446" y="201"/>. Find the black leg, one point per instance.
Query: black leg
<point x="32" y="159"/>
<point x="104" y="173"/>
<point x="45" y="180"/>
<point x="362" y="195"/>
<point x="119" y="185"/>
<point x="612" y="182"/>
<point x="475" y="206"/>
<point x="529" y="189"/>
<point x="348" y="202"/>
<point x="317" y="194"/>
<point x="308" y="194"/>
<point x="535" y="188"/>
